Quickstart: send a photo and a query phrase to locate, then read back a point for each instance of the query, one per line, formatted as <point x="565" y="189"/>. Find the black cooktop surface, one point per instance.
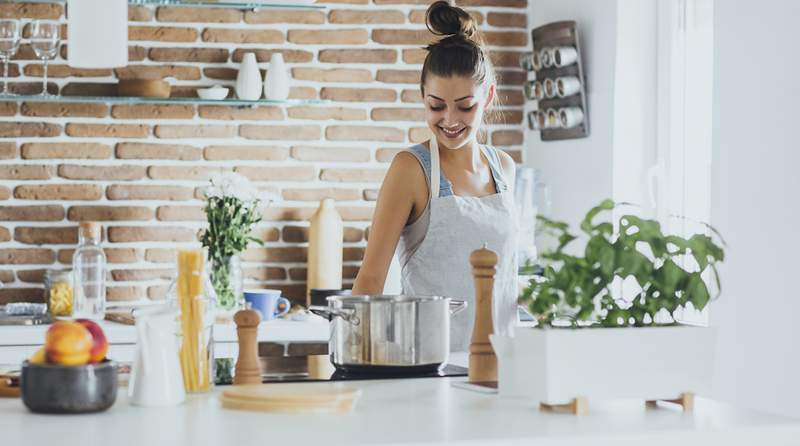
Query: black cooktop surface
<point x="338" y="375"/>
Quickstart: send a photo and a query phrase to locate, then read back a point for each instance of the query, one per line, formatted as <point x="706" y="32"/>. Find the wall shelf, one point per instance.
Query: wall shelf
<point x="143" y="100"/>
<point x="286" y="4"/>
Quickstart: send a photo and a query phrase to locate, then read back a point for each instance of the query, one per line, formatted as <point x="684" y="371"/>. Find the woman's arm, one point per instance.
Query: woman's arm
<point x="398" y="203"/>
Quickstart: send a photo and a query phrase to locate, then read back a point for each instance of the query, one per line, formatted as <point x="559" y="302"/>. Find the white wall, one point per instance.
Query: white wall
<point x="756" y="202"/>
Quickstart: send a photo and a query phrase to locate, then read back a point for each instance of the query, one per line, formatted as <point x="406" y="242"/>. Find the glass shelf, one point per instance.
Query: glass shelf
<point x="280" y="4"/>
<point x="142" y="100"/>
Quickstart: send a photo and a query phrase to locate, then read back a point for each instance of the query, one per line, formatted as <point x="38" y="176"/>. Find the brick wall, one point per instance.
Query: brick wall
<point x="138" y="168"/>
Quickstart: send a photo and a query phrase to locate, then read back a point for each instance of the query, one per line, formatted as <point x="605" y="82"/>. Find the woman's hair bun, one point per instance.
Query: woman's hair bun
<point x="444" y="19"/>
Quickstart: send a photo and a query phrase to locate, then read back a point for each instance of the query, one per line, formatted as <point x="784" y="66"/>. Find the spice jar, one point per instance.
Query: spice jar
<point x="59" y="292"/>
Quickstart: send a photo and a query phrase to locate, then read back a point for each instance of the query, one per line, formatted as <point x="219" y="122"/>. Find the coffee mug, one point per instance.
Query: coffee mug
<point x="266" y="302"/>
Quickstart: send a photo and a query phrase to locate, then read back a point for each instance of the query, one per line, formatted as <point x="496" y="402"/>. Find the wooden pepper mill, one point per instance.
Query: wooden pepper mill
<point x="482" y="360"/>
<point x="248" y="370"/>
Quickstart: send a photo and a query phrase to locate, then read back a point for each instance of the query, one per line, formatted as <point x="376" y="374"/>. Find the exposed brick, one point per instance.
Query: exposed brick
<point x="140" y="14"/>
<point x="353" y="254"/>
<point x="411" y="96"/>
<point x="414" y="56"/>
<point x="28" y="129"/>
<point x="319" y="194"/>
<point x="31" y="275"/>
<point x="157" y="292"/>
<point x="510" y="97"/>
<point x="5" y="193"/>
<point x="151" y="111"/>
<point x="386" y="155"/>
<point x="101" y="173"/>
<point x="299" y="234"/>
<point x="137" y="275"/>
<point x="302" y="93"/>
<point x="25" y="172"/>
<point x="507" y="137"/>
<point x="240" y="114"/>
<point x="5" y="236"/>
<point x="358" y="94"/>
<point x="8" y="109"/>
<point x="124" y="293"/>
<point x="267" y="234"/>
<point x="283" y="173"/>
<point x="506" y="38"/>
<point x="51" y="235"/>
<point x="51" y="11"/>
<point x="325" y="113"/>
<point x="59" y="192"/>
<point x="8" y="150"/>
<point x="9" y="295"/>
<point x="288" y="213"/>
<point x="264" y="273"/>
<point x="180" y="213"/>
<point x="160" y="255"/>
<point x="345" y="154"/>
<point x="355" y="36"/>
<point x="363" y="133"/>
<point x="505" y="78"/>
<point x="108" y="130"/>
<point x="398" y="114"/>
<point x="398" y="76"/>
<point x="109" y="213"/>
<point x="403" y="36"/>
<point x="268" y="16"/>
<point x="195" y="131"/>
<point x="122" y="234"/>
<point x="505" y="59"/>
<point x="516" y="155"/>
<point x="360" y="17"/>
<point x="134" y="150"/>
<point x="13" y="71"/>
<point x="135" y="53"/>
<point x="55" y="109"/>
<point x="419" y="134"/>
<point x="280" y="132"/>
<point x="202" y="15"/>
<point x="157" y="72"/>
<point x="505" y="117"/>
<point x="183" y="172"/>
<point x="242" y="35"/>
<point x="358" y="55"/>
<point x="149" y="192"/>
<point x="275" y="254"/>
<point x="371" y="194"/>
<point x="508" y="19"/>
<point x="22" y="256"/>
<point x="331" y="74"/>
<point x="162" y="33"/>
<point x="32" y="213"/>
<point x="356" y="213"/>
<point x="418" y="15"/>
<point x="262" y="56"/>
<point x="89" y="89"/>
<point x="65" y="150"/>
<point x="228" y="74"/>
<point x="257" y="153"/>
<point x="113" y="255"/>
<point x="353" y="175"/>
<point x="188" y="54"/>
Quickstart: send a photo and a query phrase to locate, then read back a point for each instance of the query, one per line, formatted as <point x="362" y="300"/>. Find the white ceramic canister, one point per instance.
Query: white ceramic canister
<point x="567" y="86"/>
<point x="570" y="117"/>
<point x="248" y="80"/>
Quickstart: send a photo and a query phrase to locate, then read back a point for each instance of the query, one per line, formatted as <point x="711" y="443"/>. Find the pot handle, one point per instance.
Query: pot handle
<point x="456" y="306"/>
<point x="330" y="313"/>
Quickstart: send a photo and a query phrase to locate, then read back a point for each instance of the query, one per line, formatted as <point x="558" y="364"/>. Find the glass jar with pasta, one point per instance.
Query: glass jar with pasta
<point x="59" y="292"/>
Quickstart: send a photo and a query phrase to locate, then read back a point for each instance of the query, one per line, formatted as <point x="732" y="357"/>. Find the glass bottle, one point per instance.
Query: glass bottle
<point x="89" y="269"/>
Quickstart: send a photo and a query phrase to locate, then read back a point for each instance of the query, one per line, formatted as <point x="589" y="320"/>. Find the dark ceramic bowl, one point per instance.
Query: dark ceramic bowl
<point x="51" y="388"/>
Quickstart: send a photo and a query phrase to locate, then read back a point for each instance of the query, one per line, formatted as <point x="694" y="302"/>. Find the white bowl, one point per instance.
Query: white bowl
<point x="215" y="93"/>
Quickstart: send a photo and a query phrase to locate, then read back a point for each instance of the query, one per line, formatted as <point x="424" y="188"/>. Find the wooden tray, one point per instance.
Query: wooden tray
<point x="290" y="398"/>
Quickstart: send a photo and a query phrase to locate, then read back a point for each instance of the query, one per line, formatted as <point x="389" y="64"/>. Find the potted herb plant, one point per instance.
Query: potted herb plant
<point x="232" y="212"/>
<point x="594" y="341"/>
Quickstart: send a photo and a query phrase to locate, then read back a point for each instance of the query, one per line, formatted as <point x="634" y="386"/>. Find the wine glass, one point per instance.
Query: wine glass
<point x="45" y="37"/>
<point x="9" y="43"/>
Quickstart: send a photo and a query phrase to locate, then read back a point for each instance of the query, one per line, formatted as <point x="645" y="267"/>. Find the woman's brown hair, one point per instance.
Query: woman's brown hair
<point x="460" y="51"/>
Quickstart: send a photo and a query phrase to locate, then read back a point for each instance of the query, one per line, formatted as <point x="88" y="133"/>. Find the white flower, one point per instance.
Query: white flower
<point x="232" y="185"/>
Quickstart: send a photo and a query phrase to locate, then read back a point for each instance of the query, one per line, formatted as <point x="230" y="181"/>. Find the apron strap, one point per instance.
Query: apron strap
<point x="434" y="149"/>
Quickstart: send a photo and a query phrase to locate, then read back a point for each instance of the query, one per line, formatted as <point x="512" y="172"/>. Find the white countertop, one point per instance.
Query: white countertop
<point x="404" y="411"/>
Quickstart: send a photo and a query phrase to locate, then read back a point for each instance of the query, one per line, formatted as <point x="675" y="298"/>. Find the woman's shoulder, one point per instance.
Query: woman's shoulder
<point x="505" y="161"/>
<point x="412" y="162"/>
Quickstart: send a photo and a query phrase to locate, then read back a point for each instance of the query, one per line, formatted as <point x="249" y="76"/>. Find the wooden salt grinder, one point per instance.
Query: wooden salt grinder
<point x="482" y="360"/>
<point x="248" y="370"/>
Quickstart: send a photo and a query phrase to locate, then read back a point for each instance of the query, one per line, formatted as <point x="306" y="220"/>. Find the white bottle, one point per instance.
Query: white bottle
<point x="89" y="270"/>
<point x="248" y="79"/>
<point x="325" y="248"/>
<point x="276" y="84"/>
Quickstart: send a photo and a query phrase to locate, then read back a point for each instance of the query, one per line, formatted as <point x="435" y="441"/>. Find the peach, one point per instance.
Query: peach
<point x="68" y="343"/>
<point x="99" y="342"/>
<point x="39" y="357"/>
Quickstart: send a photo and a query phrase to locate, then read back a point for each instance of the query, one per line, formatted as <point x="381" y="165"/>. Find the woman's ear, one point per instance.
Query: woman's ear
<point x="489" y="96"/>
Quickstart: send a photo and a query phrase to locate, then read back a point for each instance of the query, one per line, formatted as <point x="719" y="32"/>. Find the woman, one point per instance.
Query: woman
<point x="445" y="198"/>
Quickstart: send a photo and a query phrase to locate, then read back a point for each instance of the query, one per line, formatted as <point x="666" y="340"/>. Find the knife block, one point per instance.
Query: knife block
<point x="482" y="360"/>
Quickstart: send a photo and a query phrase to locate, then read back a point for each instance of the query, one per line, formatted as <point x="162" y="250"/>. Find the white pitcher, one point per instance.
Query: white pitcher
<point x="248" y="80"/>
<point x="276" y="84"/>
<point x="156" y="378"/>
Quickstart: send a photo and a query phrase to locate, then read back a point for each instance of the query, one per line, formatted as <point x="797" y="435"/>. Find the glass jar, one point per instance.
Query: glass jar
<point x="59" y="292"/>
<point x="89" y="266"/>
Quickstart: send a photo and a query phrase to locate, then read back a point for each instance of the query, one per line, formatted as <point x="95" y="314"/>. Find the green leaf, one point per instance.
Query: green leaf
<point x="586" y="224"/>
<point x="697" y="290"/>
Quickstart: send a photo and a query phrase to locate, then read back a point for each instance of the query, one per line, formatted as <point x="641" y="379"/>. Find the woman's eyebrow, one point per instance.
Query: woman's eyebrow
<point x="457" y="100"/>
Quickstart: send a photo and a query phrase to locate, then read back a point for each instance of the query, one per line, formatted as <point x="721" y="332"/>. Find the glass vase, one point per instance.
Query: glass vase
<point x="226" y="278"/>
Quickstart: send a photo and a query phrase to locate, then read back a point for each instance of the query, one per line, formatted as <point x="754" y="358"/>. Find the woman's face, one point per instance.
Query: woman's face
<point x="454" y="108"/>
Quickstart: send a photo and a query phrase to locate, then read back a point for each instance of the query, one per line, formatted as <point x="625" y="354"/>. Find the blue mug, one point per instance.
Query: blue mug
<point x="266" y="302"/>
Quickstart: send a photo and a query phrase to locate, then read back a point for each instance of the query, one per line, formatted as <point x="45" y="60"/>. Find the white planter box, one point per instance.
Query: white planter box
<point x="554" y="366"/>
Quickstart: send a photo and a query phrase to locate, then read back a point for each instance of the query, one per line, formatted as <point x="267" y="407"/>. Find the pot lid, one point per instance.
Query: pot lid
<point x="382" y="298"/>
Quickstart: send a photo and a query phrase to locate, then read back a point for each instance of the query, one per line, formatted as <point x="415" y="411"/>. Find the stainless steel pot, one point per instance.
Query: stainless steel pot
<point x="389" y="333"/>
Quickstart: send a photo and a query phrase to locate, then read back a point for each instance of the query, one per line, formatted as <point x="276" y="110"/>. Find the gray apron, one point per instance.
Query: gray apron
<point x="440" y="265"/>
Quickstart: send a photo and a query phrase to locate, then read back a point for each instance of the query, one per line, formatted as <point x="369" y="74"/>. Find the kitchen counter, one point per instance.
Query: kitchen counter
<point x="406" y="411"/>
<point x="19" y="342"/>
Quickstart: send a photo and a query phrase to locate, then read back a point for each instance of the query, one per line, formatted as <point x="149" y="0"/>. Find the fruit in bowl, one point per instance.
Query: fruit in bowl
<point x="68" y="343"/>
<point x="99" y="341"/>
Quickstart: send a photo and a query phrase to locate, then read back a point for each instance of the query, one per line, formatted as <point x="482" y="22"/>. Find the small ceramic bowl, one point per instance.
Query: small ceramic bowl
<point x="51" y="388"/>
<point x="216" y="93"/>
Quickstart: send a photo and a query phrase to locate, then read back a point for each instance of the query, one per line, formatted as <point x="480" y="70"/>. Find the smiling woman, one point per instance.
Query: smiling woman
<point x="449" y="196"/>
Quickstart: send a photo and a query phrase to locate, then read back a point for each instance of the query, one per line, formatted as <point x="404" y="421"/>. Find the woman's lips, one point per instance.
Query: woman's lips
<point x="455" y="133"/>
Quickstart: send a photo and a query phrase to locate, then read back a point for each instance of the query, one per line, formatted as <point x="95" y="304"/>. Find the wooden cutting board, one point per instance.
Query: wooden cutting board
<point x="302" y="397"/>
